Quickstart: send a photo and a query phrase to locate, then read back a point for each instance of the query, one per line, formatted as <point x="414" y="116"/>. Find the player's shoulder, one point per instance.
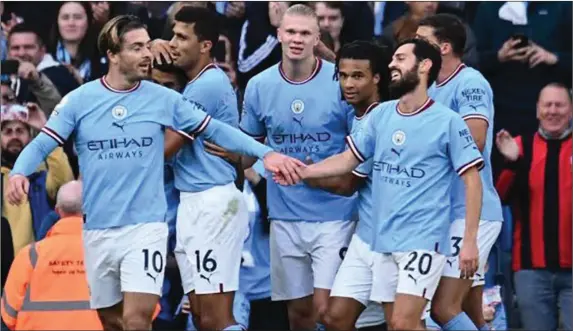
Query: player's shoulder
<point x="213" y="78"/>
<point x="264" y="77"/>
<point x="150" y="88"/>
<point x="471" y="76"/>
<point x="439" y="109"/>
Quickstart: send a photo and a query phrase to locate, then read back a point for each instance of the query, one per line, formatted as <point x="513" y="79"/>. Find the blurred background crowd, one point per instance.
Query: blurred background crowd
<point x="49" y="49"/>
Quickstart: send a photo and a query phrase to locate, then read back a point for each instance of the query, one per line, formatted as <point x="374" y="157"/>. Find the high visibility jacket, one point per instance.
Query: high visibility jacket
<point x="47" y="287"/>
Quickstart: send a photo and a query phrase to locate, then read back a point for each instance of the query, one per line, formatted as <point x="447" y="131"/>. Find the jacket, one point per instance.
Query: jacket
<point x="20" y="217"/>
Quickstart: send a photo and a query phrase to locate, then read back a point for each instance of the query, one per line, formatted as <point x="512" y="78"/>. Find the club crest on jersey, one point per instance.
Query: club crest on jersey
<point x="297" y="106"/>
<point x="119" y="112"/>
<point x="398" y="138"/>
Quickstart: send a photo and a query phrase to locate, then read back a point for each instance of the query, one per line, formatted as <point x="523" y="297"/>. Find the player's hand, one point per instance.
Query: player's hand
<point x="284" y="165"/>
<point x="221" y="152"/>
<point x="36" y="117"/>
<point x="280" y="179"/>
<point x="18" y="186"/>
<point x="540" y="55"/>
<point x="160" y="51"/>
<point x="469" y="258"/>
<point x="252" y="176"/>
<point x="507" y="145"/>
<point x="28" y="71"/>
<point x="508" y="52"/>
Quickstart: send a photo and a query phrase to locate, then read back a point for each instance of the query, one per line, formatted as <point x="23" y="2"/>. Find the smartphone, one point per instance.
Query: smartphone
<point x="220" y="51"/>
<point x="9" y="67"/>
<point x="523" y="40"/>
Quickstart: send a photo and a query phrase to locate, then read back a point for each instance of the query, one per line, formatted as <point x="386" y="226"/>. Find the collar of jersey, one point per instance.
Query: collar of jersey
<point x="423" y="107"/>
<point x="317" y="67"/>
<point x="107" y="86"/>
<point x="452" y="75"/>
<point x="205" y="68"/>
<point x="372" y="106"/>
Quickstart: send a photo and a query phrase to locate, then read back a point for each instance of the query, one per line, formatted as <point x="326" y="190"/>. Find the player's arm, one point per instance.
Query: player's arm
<point x="173" y="143"/>
<point x="467" y="160"/>
<point x="345" y="185"/>
<point x="474" y="104"/>
<point x="58" y="128"/>
<point x="361" y="147"/>
<point x="251" y="122"/>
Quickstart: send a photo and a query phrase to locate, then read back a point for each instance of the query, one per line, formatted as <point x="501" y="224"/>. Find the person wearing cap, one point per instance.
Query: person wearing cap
<point x="17" y="124"/>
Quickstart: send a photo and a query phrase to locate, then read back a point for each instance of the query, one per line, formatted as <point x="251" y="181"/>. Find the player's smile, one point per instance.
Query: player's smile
<point x="296" y="50"/>
<point x="395" y="74"/>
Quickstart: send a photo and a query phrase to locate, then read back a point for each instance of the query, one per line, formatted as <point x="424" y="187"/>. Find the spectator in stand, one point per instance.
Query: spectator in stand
<point x="26" y="45"/>
<point x="405" y="28"/>
<point x="518" y="69"/>
<point x="537" y="181"/>
<point x="17" y="122"/>
<point x="73" y="41"/>
<point x="331" y="20"/>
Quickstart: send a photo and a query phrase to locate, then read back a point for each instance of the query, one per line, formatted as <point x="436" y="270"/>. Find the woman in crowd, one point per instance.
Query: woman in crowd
<point x="73" y="41"/>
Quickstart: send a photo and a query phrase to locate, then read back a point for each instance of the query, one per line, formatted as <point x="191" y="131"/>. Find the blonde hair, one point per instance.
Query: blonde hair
<point x="111" y="35"/>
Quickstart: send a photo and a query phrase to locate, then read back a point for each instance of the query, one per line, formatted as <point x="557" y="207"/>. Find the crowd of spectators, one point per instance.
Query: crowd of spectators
<point x="49" y="49"/>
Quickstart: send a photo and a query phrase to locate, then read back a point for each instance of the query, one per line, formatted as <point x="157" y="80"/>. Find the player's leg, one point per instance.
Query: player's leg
<point x="184" y="235"/>
<point x="447" y="303"/>
<point x="291" y="273"/>
<point x="102" y="273"/>
<point x="473" y="303"/>
<point x="329" y="243"/>
<point x="419" y="274"/>
<point x="473" y="307"/>
<point x="142" y="270"/>
<point x="351" y="289"/>
<point x="221" y="230"/>
<point x="384" y="284"/>
<point x="447" y="306"/>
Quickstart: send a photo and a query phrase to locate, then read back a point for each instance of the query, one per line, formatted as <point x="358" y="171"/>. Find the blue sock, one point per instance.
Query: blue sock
<point x="460" y="322"/>
<point x="236" y="327"/>
<point x="484" y="327"/>
<point x="319" y="327"/>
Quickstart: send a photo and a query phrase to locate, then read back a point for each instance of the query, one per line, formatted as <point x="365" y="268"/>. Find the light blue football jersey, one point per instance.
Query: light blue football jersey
<point x="416" y="157"/>
<point x="469" y="94"/>
<point x="365" y="226"/>
<point x="119" y="137"/>
<point x="195" y="169"/>
<point x="304" y="120"/>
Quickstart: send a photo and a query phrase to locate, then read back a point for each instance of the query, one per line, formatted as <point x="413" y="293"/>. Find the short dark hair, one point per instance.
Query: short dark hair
<point x="448" y="28"/>
<point x="207" y="23"/>
<point x="335" y="5"/>
<point x="25" y="28"/>
<point x="378" y="56"/>
<point x="170" y="68"/>
<point x="424" y="50"/>
<point x="111" y="35"/>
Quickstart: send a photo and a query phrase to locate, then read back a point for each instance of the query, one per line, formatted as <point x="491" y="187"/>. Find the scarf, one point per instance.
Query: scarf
<point x="62" y="55"/>
<point x="547" y="136"/>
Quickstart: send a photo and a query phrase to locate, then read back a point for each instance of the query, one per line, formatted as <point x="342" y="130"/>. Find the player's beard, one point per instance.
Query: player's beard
<point x="406" y="84"/>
